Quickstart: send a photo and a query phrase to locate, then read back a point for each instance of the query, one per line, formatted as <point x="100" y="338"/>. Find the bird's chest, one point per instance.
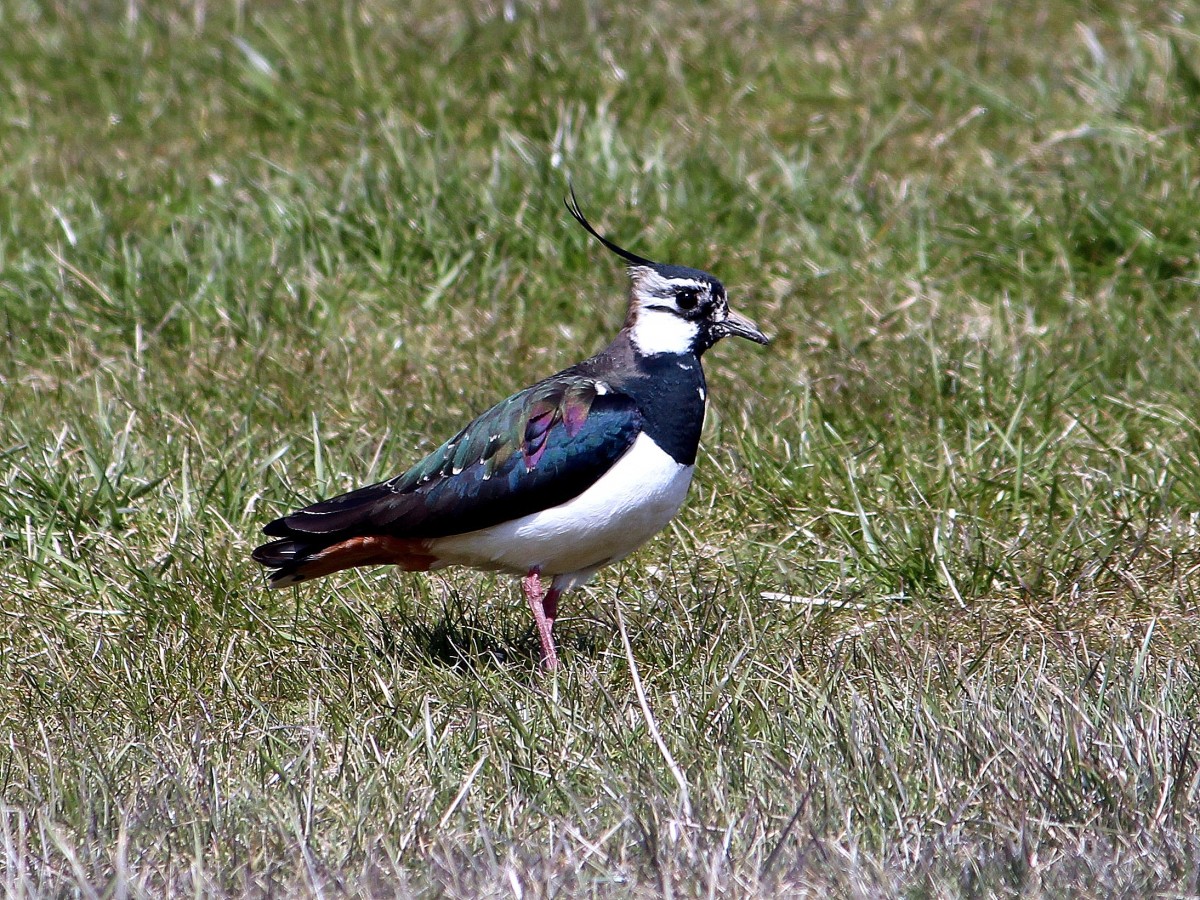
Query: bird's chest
<point x="671" y="395"/>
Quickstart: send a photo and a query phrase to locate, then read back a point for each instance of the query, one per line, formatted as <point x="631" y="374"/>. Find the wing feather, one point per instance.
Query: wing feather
<point x="535" y="450"/>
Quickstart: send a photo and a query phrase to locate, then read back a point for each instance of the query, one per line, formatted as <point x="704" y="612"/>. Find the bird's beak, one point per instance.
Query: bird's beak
<point x="740" y="326"/>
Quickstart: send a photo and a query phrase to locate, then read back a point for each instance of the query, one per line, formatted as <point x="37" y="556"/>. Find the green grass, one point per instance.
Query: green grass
<point x="927" y="625"/>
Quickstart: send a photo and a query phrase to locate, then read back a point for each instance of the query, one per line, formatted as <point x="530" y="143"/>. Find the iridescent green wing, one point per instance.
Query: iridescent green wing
<point x="535" y="450"/>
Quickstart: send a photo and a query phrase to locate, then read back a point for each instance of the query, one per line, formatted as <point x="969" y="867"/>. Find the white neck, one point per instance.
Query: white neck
<point x="658" y="331"/>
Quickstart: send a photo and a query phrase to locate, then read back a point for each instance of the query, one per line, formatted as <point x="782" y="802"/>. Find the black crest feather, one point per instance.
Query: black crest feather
<point x="632" y="258"/>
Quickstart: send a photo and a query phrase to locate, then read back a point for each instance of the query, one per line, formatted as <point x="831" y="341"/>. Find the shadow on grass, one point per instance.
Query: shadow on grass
<point x="472" y="633"/>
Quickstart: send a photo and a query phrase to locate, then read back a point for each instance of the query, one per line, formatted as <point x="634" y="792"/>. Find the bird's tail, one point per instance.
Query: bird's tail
<point x="287" y="559"/>
<point x="296" y="559"/>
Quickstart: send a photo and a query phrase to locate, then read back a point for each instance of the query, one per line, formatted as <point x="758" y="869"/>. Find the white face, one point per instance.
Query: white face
<point x="669" y="313"/>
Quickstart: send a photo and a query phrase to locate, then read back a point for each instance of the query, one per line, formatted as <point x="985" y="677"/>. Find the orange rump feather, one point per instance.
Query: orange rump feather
<point x="371" y="550"/>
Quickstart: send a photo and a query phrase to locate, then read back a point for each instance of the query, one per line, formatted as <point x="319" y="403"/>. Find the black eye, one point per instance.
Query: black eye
<point x="687" y="298"/>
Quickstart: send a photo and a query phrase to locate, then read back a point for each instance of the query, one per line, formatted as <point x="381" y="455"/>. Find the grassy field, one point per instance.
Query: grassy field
<point x="928" y="623"/>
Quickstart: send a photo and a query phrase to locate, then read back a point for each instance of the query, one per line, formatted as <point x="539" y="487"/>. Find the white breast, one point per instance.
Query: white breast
<point x="630" y="503"/>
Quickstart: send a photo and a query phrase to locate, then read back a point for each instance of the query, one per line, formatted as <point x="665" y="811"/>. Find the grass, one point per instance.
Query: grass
<point x="927" y="624"/>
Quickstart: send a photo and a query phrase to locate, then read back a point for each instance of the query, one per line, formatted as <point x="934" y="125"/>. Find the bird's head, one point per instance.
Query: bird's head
<point x="674" y="309"/>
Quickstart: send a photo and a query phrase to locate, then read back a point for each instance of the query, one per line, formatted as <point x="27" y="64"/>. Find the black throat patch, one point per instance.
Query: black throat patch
<point x="668" y="388"/>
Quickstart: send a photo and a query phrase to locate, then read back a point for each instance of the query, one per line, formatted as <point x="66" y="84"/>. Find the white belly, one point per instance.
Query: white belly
<point x="630" y="503"/>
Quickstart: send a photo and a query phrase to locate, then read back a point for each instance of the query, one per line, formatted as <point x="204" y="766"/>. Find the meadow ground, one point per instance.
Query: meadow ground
<point x="927" y="625"/>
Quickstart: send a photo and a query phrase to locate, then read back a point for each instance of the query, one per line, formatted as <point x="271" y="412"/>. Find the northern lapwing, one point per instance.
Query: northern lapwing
<point x="554" y="483"/>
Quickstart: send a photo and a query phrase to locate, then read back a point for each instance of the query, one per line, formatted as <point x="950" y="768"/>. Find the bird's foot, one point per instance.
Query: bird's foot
<point x="544" y="603"/>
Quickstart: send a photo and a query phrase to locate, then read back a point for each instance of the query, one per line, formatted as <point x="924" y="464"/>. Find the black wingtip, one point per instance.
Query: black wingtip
<point x="277" y="528"/>
<point x="573" y="208"/>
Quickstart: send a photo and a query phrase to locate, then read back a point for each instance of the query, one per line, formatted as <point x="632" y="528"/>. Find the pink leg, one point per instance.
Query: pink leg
<point x="544" y="604"/>
<point x="550" y="604"/>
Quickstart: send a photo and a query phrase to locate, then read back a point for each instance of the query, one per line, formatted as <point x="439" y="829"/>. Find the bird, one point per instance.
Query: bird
<point x="555" y="482"/>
